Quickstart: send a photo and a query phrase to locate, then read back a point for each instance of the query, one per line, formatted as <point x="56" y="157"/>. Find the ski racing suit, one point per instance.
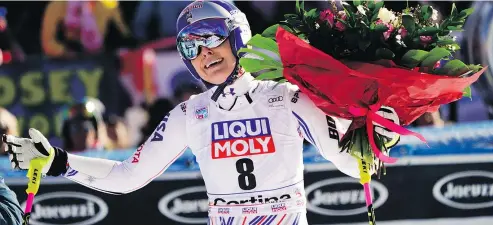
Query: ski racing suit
<point x="248" y="144"/>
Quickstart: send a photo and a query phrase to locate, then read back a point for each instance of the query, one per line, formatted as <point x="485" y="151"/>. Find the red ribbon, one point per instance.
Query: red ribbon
<point x="371" y="117"/>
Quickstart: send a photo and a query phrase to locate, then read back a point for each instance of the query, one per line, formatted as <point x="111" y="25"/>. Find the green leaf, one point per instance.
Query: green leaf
<point x="413" y="58"/>
<point x="258" y="53"/>
<point x="385" y="53"/>
<point x="455" y="28"/>
<point x="435" y="55"/>
<point x="378" y="5"/>
<point x="312" y="14"/>
<point x="295" y="23"/>
<point x="371" y="5"/>
<point x="380" y="28"/>
<point x="428" y="31"/>
<point x="282" y="81"/>
<point x="264" y="43"/>
<point x="374" y="17"/>
<point x="270" y="75"/>
<point x="446" y="42"/>
<point x="408" y="22"/>
<point x="356" y="2"/>
<point x="255" y="65"/>
<point x="445" y="23"/>
<point x="465" y="13"/>
<point x="302" y="36"/>
<point x="475" y="68"/>
<point x="298" y="7"/>
<point x="426" y="12"/>
<point x="270" y="32"/>
<point x="350" y="15"/>
<point x="291" y="16"/>
<point x="456" y="23"/>
<point x="287" y="28"/>
<point x="467" y="92"/>
<point x="455" y="68"/>
<point x="454" y="11"/>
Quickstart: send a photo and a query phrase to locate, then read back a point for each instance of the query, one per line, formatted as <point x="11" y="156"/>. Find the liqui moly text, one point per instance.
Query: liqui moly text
<point x="241" y="138"/>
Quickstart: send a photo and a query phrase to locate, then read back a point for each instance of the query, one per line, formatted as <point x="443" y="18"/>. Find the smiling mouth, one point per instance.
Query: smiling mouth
<point x="213" y="63"/>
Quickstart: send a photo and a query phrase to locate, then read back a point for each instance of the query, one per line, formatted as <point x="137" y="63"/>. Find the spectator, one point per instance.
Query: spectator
<point x="156" y="111"/>
<point x="9" y="48"/>
<point x="136" y="118"/>
<point x="429" y="119"/>
<point x="70" y="27"/>
<point x="84" y="128"/>
<point x="8" y="125"/>
<point x="185" y="91"/>
<point x="117" y="133"/>
<point x="156" y="19"/>
<point x="185" y="85"/>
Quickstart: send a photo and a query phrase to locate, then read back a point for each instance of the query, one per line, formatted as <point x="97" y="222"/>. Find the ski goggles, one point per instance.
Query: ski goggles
<point x="208" y="33"/>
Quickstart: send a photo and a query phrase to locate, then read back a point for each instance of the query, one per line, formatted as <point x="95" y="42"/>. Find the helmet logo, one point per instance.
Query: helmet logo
<point x="188" y="9"/>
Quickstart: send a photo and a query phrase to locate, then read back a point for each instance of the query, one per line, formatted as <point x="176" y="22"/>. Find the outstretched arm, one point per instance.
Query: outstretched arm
<point x="150" y="160"/>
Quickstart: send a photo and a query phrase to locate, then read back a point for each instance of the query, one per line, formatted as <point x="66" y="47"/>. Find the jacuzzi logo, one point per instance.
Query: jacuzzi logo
<point x="187" y="205"/>
<point x="68" y="208"/>
<point x="342" y="196"/>
<point x="465" y="190"/>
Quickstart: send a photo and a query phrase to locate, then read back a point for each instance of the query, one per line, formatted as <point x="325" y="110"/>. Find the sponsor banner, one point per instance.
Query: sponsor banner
<point x="67" y="208"/>
<point x="160" y="202"/>
<point x="454" y="190"/>
<point x="406" y="192"/>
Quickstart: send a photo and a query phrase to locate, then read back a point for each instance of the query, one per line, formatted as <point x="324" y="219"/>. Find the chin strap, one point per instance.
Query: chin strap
<point x="230" y="80"/>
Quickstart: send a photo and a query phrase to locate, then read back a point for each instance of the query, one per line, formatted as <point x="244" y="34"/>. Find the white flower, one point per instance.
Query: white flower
<point x="434" y="15"/>
<point x="361" y="9"/>
<point x="454" y="38"/>
<point x="386" y="15"/>
<point x="398" y="37"/>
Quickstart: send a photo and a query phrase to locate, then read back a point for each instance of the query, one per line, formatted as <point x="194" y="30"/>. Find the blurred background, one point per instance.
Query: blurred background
<point x="96" y="77"/>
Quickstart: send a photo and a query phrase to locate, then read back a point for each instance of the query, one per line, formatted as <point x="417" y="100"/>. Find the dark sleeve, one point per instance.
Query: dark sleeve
<point x="10" y="209"/>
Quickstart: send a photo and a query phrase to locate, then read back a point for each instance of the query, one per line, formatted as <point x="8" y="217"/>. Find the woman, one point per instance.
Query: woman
<point x="247" y="135"/>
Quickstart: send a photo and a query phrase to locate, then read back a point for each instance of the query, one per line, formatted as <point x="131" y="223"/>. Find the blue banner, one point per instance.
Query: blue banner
<point x="461" y="138"/>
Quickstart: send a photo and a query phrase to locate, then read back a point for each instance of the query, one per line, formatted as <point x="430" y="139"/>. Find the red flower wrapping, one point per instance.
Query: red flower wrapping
<point x="338" y="88"/>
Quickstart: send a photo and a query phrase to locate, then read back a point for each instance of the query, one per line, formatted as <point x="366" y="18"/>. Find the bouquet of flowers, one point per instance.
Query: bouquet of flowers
<point x="351" y="60"/>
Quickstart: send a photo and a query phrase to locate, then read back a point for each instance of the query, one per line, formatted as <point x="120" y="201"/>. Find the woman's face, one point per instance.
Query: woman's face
<point x="214" y="65"/>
